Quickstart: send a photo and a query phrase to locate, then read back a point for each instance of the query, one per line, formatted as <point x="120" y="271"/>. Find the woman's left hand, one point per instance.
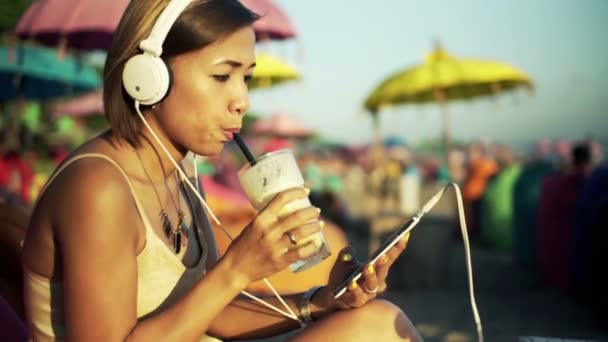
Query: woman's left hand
<point x="372" y="283"/>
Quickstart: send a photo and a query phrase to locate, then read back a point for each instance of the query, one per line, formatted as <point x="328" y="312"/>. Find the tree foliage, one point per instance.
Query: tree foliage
<point x="10" y="11"/>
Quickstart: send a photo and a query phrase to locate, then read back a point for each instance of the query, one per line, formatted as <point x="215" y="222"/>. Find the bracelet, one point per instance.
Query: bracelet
<point x="304" y="304"/>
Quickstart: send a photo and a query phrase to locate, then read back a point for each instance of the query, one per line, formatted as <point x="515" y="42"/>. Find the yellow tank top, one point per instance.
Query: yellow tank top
<point x="162" y="278"/>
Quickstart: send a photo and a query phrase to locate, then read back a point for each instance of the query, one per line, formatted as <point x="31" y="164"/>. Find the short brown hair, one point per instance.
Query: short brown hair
<point x="202" y="23"/>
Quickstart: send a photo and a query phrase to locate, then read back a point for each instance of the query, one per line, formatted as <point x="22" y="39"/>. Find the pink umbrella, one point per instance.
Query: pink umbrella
<point x="224" y="194"/>
<point x="88" y="104"/>
<point x="282" y="124"/>
<point x="82" y="24"/>
<point x="274" y="23"/>
<point x="276" y="144"/>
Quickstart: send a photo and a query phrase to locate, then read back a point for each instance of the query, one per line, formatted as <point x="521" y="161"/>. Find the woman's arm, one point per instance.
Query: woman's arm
<point x="96" y="227"/>
<point x="246" y="319"/>
<point x="255" y="321"/>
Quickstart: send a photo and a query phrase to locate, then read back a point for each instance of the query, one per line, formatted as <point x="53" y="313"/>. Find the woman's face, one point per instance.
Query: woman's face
<point x="208" y="97"/>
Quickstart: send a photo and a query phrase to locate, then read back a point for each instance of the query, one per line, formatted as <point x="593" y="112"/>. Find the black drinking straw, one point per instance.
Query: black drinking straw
<point x="244" y="149"/>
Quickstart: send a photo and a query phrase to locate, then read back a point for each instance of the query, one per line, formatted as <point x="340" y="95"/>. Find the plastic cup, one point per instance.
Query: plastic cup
<point x="273" y="173"/>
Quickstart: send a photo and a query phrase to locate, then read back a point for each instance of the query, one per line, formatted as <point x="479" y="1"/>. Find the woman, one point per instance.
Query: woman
<point x="101" y="265"/>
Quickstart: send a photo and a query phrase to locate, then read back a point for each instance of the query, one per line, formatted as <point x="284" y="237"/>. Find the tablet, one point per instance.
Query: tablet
<point x="388" y="244"/>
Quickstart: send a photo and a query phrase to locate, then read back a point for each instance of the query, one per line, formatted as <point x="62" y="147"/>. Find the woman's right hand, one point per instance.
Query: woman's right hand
<point x="263" y="248"/>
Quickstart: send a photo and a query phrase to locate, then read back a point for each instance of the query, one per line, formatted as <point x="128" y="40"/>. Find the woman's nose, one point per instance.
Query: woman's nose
<point x="240" y="103"/>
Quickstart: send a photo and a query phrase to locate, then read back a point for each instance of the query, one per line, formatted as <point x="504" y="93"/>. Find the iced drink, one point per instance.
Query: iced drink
<point x="273" y="173"/>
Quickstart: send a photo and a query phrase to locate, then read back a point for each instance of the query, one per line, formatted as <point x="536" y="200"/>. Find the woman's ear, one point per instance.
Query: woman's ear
<point x="170" y="72"/>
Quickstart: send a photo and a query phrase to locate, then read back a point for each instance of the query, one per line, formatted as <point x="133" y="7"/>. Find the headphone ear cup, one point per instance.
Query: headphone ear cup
<point x="146" y="79"/>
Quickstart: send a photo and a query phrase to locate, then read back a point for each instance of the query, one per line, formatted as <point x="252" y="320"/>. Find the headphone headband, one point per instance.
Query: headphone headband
<point x="154" y="42"/>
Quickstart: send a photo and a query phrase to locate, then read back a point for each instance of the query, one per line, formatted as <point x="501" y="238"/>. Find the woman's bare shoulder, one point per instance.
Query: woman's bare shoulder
<point x="91" y="190"/>
<point x="89" y="200"/>
<point x="87" y="174"/>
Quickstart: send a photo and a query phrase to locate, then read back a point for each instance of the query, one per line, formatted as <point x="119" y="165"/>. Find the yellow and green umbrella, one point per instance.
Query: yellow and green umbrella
<point x="270" y="71"/>
<point x="442" y="78"/>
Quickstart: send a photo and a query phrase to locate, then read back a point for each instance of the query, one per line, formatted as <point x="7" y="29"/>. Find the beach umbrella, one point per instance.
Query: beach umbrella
<point x="443" y="78"/>
<point x="274" y="23"/>
<point x="84" y="105"/>
<point x="276" y="144"/>
<point x="225" y="198"/>
<point x="271" y="71"/>
<point x="82" y="24"/>
<point x="282" y="125"/>
<point x="79" y="24"/>
<point x="31" y="72"/>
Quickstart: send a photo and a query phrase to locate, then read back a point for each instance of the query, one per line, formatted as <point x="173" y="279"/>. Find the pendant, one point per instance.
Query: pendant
<point x="167" y="229"/>
<point x="182" y="225"/>
<point x="173" y="235"/>
<point x="177" y="241"/>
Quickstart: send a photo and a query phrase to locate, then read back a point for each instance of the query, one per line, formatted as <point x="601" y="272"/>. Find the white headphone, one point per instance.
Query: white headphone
<point x="146" y="77"/>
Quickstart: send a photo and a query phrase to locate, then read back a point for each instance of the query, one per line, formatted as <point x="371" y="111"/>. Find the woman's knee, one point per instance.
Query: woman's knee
<point x="377" y="311"/>
<point x="378" y="320"/>
<point x="384" y="317"/>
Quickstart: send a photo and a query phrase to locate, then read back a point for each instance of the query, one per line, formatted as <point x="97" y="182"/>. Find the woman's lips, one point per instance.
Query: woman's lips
<point x="229" y="135"/>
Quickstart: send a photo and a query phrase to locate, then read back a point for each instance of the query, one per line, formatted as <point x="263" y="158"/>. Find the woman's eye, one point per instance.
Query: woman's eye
<point x="221" y="78"/>
<point x="247" y="78"/>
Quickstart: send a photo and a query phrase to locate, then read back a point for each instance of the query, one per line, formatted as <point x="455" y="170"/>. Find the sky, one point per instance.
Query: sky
<point x="346" y="48"/>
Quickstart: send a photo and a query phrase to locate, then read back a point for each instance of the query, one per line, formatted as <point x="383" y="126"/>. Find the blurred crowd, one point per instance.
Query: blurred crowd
<point x="546" y="206"/>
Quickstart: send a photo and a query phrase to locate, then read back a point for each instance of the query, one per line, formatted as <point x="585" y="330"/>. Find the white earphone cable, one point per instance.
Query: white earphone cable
<point x="426" y="208"/>
<point x="465" y="237"/>
<point x="467" y="250"/>
<point x="291" y="314"/>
